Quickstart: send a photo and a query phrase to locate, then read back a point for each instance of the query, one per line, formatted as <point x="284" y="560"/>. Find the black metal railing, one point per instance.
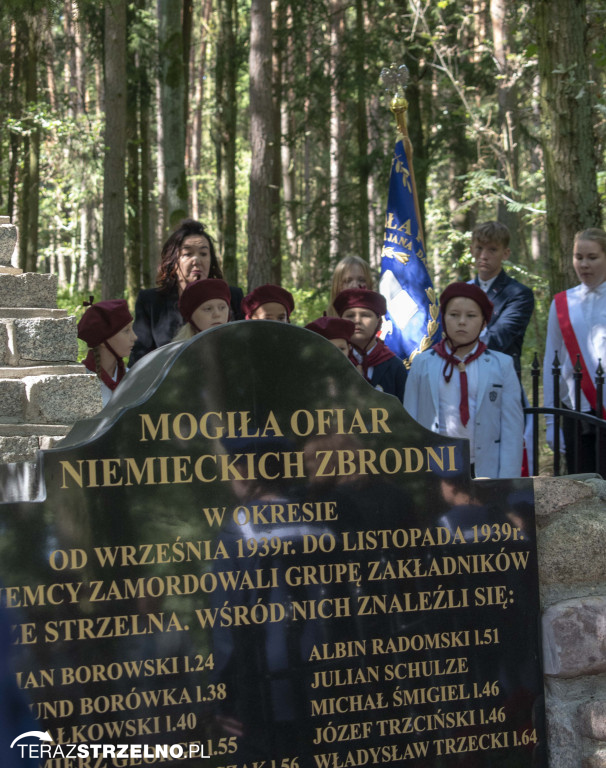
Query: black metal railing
<point x="562" y="412"/>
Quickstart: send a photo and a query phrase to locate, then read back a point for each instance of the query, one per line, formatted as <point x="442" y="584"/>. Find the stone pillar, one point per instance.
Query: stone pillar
<point x="43" y="389"/>
<point x="571" y="536"/>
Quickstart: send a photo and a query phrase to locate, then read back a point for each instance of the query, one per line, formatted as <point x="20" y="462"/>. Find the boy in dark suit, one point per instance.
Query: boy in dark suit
<point x="513" y="302"/>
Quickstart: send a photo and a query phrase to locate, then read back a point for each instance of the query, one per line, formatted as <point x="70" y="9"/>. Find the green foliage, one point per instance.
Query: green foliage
<point x="484" y="187"/>
<point x="73" y="302"/>
<point x="471" y="170"/>
<point x="310" y="303"/>
<point x="142" y="28"/>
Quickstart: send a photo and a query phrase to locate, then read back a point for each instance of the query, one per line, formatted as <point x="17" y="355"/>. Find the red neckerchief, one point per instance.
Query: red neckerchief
<point x="451" y="362"/>
<point x="89" y="362"/>
<point x="574" y="350"/>
<point x="378" y="354"/>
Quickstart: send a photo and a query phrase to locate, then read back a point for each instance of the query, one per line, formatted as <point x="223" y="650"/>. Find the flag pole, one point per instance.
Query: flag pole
<point x="399" y="108"/>
<point x="412" y="320"/>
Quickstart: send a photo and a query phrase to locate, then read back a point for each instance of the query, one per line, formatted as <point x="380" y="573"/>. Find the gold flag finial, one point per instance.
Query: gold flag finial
<point x="395" y="79"/>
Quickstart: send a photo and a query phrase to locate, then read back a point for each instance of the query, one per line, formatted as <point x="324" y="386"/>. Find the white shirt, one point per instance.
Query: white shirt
<point x="485" y="284"/>
<point x="449" y="416"/>
<point x="359" y="357"/>
<point x="587" y="311"/>
<point x="106" y="392"/>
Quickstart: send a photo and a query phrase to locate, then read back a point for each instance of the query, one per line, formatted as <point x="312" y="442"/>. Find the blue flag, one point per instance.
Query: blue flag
<point x="412" y="322"/>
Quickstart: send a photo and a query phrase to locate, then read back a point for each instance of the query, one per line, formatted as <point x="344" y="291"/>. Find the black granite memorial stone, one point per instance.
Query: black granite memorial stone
<point x="252" y="558"/>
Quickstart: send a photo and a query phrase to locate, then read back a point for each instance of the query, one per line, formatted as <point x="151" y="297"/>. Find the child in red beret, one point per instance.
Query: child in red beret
<point x="203" y="305"/>
<point x="268" y="302"/>
<point x="107" y="328"/>
<point x="460" y="388"/>
<point x="335" y="329"/>
<point x="374" y="360"/>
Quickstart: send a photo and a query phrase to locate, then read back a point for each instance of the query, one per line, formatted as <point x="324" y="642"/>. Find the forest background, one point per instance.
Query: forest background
<point x="266" y="120"/>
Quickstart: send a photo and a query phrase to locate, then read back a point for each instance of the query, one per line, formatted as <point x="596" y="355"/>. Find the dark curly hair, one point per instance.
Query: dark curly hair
<point x="166" y="279"/>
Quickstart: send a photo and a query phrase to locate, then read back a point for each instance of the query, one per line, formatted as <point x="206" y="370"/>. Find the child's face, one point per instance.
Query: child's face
<point x="589" y="262"/>
<point x="366" y="322"/>
<point x="463" y="321"/>
<point x="341" y="344"/>
<point x="353" y="277"/>
<point x="488" y="257"/>
<point x="271" y="311"/>
<point x="123" y="341"/>
<point x="211" y="313"/>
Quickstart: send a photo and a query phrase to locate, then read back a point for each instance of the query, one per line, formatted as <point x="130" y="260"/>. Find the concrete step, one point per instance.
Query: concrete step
<point x="49" y="399"/>
<point x="28" y="290"/>
<point x="27" y="430"/>
<point x="59" y="369"/>
<point x="25" y="447"/>
<point x="10" y="313"/>
<point x="29" y="341"/>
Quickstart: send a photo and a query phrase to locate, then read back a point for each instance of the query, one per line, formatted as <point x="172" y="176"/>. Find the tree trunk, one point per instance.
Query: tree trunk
<point x="149" y="241"/>
<point x="376" y="215"/>
<point x="75" y="97"/>
<point x="161" y="227"/>
<point x="94" y="224"/>
<point x="51" y="82"/>
<point x="362" y="133"/>
<point x="480" y="29"/>
<point x="172" y="107"/>
<point x="567" y="132"/>
<point x="261" y="216"/>
<point x="507" y="159"/>
<point x="112" y="260"/>
<point x="194" y="142"/>
<point x="133" y="180"/>
<point x="99" y="88"/>
<point x="82" y="250"/>
<point x="186" y="31"/>
<point x="15" y="111"/>
<point x="288" y="155"/>
<point x="226" y="74"/>
<point x="276" y="146"/>
<point x="458" y="167"/>
<point x="307" y="251"/>
<point x="70" y="73"/>
<point x="417" y="135"/>
<point x="336" y="25"/>
<point x="30" y="189"/>
<point x="79" y="62"/>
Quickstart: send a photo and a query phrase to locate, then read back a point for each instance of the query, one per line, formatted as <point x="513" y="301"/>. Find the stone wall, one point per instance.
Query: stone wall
<point x="571" y="535"/>
<point x="43" y="389"/>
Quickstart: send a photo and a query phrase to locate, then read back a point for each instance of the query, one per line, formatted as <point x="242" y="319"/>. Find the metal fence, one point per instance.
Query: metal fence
<point x="578" y="417"/>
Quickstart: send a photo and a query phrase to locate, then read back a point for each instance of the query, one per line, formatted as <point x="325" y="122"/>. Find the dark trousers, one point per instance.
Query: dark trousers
<point x="585" y="460"/>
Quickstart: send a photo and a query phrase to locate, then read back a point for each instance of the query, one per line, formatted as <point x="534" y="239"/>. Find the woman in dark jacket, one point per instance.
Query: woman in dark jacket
<point x="188" y="255"/>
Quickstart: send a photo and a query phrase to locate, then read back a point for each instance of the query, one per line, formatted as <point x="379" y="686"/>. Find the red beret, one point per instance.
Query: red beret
<point x="332" y="327"/>
<point x="103" y="320"/>
<point x="197" y="293"/>
<point x="467" y="291"/>
<point x="265" y="294"/>
<point x="360" y="297"/>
